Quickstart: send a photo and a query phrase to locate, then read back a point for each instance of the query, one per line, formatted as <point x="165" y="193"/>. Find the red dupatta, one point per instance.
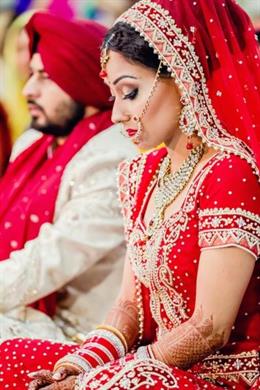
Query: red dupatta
<point x="29" y="189"/>
<point x="210" y="50"/>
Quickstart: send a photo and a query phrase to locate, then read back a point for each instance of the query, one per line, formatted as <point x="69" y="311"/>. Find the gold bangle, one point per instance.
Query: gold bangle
<point x="116" y="332"/>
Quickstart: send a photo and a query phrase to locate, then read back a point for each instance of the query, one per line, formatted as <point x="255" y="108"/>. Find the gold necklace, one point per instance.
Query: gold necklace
<point x="170" y="185"/>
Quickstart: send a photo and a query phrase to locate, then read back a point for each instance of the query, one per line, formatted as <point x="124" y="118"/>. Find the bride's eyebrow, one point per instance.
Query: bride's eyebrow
<point x="123" y="77"/>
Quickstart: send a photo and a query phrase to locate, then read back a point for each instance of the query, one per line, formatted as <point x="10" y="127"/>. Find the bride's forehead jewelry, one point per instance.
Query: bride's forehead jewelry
<point x="104" y="58"/>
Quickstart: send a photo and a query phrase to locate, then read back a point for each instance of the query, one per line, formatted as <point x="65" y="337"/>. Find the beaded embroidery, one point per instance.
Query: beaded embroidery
<point x="219" y="227"/>
<point x="243" y="366"/>
<point x="173" y="48"/>
<point x="167" y="306"/>
<point x="128" y="184"/>
<point x="133" y="375"/>
<point x="156" y="274"/>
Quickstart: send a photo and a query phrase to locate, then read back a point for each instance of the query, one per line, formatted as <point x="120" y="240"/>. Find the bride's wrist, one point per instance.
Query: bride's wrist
<point x="103" y="345"/>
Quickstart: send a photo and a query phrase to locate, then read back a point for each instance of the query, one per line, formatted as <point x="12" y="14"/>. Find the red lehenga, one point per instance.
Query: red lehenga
<point x="220" y="209"/>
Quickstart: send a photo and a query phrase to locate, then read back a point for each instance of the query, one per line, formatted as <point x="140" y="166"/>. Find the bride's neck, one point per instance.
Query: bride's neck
<point x="177" y="149"/>
<point x="178" y="152"/>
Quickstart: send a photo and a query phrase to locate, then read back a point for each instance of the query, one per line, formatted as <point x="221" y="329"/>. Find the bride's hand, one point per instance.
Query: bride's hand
<point x="42" y="378"/>
<point x="66" y="384"/>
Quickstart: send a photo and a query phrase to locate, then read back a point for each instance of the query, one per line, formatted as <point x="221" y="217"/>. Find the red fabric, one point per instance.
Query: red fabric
<point x="226" y="35"/>
<point x="70" y="52"/>
<point x="29" y="188"/>
<point x="5" y="140"/>
<point x="220" y="38"/>
<point x="32" y="355"/>
<point x="221" y="208"/>
<point x="19" y="357"/>
<point x="103" y="342"/>
<point x="221" y="176"/>
<point x="219" y="214"/>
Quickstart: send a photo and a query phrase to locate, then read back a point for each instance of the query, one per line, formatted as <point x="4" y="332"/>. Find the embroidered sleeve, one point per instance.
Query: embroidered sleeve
<point x="229" y="207"/>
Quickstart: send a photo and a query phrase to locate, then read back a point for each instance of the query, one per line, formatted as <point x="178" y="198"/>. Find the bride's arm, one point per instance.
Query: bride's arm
<point x="112" y="339"/>
<point x="124" y="314"/>
<point x="222" y="279"/>
<point x="122" y="319"/>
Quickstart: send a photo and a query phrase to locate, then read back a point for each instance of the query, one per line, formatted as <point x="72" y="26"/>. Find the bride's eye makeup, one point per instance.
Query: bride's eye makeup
<point x="131" y="95"/>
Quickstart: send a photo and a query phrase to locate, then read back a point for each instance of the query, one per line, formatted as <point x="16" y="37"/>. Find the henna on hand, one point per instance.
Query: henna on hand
<point x="40" y="378"/>
<point x="188" y="343"/>
<point x="66" y="384"/>
<point x="38" y="384"/>
<point x="124" y="317"/>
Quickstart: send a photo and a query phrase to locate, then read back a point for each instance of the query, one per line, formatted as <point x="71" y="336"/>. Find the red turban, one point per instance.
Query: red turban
<point x="70" y="52"/>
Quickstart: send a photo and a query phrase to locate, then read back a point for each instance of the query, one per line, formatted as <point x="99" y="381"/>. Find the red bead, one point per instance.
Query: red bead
<point x="103" y="74"/>
<point x="189" y="145"/>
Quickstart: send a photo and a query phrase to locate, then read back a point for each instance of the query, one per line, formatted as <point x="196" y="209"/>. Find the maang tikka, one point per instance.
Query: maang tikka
<point x="104" y="58"/>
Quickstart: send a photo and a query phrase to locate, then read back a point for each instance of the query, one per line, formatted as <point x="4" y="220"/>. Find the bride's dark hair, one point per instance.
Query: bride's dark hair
<point x="123" y="39"/>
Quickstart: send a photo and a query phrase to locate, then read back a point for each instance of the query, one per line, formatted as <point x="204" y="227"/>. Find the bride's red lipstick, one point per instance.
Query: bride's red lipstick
<point x="131" y="132"/>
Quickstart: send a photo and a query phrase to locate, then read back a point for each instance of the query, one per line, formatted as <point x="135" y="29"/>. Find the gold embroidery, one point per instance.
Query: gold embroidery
<point x="158" y="28"/>
<point x="150" y="259"/>
<point x="232" y="367"/>
<point x="227" y="226"/>
<point x="130" y="375"/>
<point x="164" y="297"/>
<point x="122" y="184"/>
<point x="128" y="185"/>
<point x="140" y="307"/>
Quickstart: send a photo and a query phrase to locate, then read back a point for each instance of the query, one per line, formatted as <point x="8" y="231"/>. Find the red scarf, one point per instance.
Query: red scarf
<point x="29" y="189"/>
<point x="209" y="47"/>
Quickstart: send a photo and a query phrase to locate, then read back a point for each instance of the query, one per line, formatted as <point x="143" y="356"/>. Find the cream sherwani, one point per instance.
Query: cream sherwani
<point x="81" y="251"/>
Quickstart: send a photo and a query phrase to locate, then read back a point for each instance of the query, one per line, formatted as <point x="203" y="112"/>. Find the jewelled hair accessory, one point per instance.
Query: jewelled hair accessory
<point x="104" y="58"/>
<point x="103" y="61"/>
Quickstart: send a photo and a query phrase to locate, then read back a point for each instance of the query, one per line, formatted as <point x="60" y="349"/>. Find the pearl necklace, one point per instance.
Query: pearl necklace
<point x="170" y="185"/>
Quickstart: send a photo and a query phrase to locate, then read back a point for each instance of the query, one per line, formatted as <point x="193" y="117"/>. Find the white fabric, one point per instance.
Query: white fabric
<point x="25" y="141"/>
<point x="83" y="248"/>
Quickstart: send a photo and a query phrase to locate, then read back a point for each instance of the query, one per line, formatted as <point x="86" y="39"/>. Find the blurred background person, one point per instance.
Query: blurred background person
<point x="5" y="140"/>
<point x="61" y="223"/>
<point x="13" y="16"/>
<point x="15" y="73"/>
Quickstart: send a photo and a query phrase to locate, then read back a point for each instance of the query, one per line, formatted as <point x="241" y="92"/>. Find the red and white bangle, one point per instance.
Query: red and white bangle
<point x="101" y="346"/>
